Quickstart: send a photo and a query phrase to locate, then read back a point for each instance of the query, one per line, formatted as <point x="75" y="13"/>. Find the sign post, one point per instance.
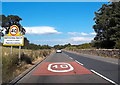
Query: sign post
<point x="14" y="38"/>
<point x="11" y="50"/>
<point x="19" y="52"/>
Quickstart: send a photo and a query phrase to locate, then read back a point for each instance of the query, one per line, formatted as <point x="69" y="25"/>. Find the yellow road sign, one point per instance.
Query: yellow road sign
<point x="13" y="38"/>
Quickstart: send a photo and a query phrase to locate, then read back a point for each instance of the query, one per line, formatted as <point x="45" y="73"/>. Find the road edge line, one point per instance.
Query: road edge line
<point x="103" y="77"/>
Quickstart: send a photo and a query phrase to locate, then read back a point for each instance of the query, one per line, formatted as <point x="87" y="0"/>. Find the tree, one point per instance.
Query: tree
<point x="26" y="43"/>
<point x="62" y="46"/>
<point x="7" y="21"/>
<point x="107" y="25"/>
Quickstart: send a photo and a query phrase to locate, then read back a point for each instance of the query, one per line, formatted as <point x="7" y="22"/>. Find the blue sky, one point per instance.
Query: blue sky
<point x="55" y="23"/>
<point x="55" y="0"/>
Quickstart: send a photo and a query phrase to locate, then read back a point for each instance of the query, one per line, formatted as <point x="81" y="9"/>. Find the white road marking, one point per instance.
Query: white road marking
<point x="78" y="62"/>
<point x="54" y="67"/>
<point x="104" y="77"/>
<point x="70" y="58"/>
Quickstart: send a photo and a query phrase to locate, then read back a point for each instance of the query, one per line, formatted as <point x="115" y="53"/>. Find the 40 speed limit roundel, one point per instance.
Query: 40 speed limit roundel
<point x="14" y="30"/>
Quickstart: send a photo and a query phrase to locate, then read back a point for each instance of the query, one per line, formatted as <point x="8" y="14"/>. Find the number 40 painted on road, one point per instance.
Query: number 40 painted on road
<point x="60" y="67"/>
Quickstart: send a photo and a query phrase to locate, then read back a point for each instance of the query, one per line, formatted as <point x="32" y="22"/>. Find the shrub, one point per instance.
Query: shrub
<point x="117" y="45"/>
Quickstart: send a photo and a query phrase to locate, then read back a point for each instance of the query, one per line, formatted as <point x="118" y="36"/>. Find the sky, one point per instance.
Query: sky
<point x="57" y="0"/>
<point x="53" y="23"/>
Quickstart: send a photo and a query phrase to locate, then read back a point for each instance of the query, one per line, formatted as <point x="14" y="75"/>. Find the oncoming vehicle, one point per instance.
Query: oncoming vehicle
<point x="58" y="51"/>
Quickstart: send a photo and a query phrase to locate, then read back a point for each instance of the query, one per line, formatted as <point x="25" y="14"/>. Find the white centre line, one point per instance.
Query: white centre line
<point x="104" y="77"/>
<point x="78" y="62"/>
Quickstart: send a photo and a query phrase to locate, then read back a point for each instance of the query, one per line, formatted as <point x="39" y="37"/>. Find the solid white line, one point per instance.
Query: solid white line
<point x="78" y="62"/>
<point x="104" y="77"/>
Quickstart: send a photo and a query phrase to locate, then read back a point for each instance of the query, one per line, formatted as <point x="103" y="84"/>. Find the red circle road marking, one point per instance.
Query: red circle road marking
<point x="42" y="69"/>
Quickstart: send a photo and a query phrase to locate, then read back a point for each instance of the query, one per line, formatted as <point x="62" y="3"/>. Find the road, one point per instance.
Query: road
<point x="69" y="68"/>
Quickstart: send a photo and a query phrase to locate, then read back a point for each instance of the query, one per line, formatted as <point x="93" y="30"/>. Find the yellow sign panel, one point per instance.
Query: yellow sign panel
<point x="13" y="38"/>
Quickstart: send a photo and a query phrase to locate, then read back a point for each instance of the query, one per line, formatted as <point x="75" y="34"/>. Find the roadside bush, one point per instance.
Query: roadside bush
<point x="26" y="58"/>
<point x="11" y="62"/>
<point x="117" y="45"/>
<point x="9" y="66"/>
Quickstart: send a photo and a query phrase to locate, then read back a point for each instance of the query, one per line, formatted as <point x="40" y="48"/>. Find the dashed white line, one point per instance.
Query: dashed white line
<point x="70" y="58"/>
<point x="78" y="62"/>
<point x="103" y="77"/>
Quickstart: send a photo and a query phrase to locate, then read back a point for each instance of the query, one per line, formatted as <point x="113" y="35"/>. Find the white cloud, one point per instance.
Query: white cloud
<point x="82" y="33"/>
<point x="78" y="39"/>
<point x="54" y="40"/>
<point x="93" y="33"/>
<point x="72" y="40"/>
<point x="41" y="30"/>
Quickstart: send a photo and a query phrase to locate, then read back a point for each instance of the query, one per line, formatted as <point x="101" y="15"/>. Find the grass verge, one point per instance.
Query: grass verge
<point x="10" y="65"/>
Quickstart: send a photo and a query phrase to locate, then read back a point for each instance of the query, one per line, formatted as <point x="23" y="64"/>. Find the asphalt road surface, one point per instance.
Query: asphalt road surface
<point x="69" y="68"/>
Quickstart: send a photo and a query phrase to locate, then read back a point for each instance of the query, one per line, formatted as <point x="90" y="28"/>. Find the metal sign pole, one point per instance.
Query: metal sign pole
<point x="19" y="52"/>
<point x="11" y="50"/>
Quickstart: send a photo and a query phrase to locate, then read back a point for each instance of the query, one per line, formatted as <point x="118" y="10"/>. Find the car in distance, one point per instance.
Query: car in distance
<point x="58" y="51"/>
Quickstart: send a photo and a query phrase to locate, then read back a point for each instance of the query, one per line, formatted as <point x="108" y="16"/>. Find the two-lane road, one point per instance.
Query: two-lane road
<point x="65" y="68"/>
